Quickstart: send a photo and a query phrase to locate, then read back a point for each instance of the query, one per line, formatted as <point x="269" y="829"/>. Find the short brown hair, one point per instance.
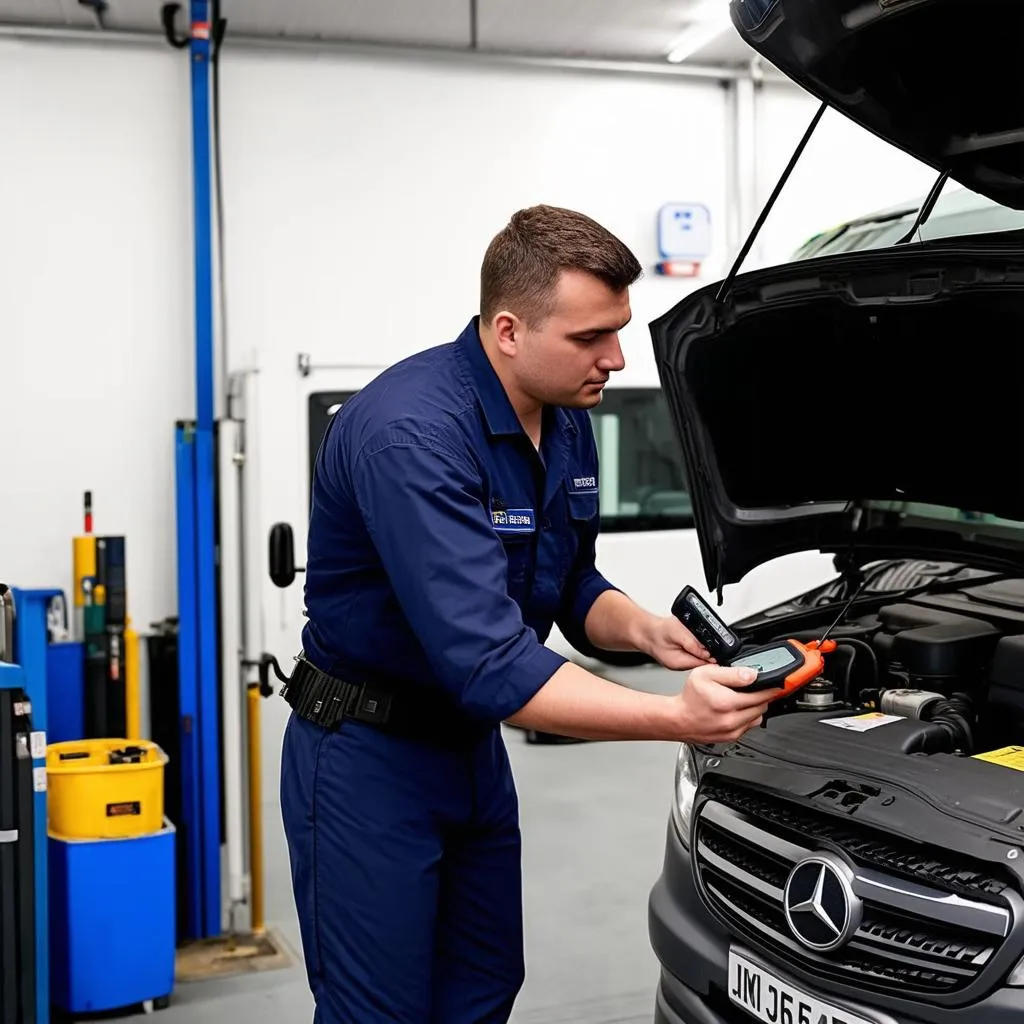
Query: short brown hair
<point x="521" y="266"/>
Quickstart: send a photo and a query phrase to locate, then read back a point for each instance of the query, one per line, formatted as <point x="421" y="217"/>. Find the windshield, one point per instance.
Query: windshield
<point x="958" y="212"/>
<point x="643" y="483"/>
<point x="963" y="521"/>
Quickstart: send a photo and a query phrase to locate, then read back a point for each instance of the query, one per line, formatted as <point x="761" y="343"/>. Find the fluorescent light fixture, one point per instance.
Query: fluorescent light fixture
<point x="707" y="21"/>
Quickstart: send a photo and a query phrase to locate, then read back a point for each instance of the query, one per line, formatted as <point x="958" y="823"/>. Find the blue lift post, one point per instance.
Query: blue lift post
<point x="29" y="675"/>
<point x="196" y="501"/>
<point x="188" y="680"/>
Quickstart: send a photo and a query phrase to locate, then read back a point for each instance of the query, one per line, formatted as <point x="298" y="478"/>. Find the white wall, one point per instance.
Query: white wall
<point x="96" y="356"/>
<point x="360" y="199"/>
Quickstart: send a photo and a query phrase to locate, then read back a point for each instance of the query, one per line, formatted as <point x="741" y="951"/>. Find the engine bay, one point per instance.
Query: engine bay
<point x="951" y="665"/>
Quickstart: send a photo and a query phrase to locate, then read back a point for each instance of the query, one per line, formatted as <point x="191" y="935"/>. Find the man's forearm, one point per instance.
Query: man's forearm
<point x="575" y="703"/>
<point x="617" y="623"/>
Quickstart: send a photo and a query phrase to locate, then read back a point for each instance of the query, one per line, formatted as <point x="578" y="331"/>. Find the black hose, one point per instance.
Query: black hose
<point x="864" y="648"/>
<point x="955" y="715"/>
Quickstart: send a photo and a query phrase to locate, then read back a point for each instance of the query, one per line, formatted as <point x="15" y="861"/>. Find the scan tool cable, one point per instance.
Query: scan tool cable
<point x="842" y="614"/>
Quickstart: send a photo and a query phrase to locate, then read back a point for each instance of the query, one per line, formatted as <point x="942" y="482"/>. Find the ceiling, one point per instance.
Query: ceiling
<point x="633" y="30"/>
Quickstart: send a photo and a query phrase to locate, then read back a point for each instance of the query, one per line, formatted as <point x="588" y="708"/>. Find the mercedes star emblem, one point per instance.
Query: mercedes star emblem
<point x="821" y="907"/>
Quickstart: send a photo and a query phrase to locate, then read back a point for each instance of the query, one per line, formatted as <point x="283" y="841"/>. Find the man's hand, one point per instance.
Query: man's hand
<point x="710" y="708"/>
<point x="671" y="644"/>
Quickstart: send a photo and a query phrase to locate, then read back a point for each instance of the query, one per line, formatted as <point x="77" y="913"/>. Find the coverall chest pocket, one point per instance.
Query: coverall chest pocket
<point x="583" y="509"/>
<point x="519" y="555"/>
<point x="583" y="512"/>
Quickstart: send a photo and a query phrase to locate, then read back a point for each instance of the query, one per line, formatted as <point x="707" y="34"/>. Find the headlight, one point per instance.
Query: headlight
<point x="684" y="792"/>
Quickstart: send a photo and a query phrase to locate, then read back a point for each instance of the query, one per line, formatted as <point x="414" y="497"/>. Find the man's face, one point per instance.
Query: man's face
<point x="568" y="358"/>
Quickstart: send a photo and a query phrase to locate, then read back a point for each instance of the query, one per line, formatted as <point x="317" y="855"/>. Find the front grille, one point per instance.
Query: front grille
<point x="931" y="923"/>
<point x="938" y="868"/>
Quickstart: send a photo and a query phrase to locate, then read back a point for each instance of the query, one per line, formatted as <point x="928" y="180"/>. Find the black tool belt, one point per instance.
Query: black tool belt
<point x="402" y="710"/>
<point x="328" y="701"/>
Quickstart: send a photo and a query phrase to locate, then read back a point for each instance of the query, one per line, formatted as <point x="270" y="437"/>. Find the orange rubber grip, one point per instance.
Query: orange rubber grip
<point x="812" y="667"/>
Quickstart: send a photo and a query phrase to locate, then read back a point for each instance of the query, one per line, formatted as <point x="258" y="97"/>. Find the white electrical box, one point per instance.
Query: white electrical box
<point x="684" y="231"/>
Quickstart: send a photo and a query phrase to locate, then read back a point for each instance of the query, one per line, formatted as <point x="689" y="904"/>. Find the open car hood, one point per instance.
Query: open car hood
<point x="939" y="79"/>
<point x="867" y="404"/>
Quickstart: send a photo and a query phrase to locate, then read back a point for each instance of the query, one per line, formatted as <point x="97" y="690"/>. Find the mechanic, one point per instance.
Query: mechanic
<point x="454" y="517"/>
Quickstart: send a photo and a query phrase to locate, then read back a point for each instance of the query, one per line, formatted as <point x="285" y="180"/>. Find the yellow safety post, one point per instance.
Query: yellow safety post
<point x="83" y="556"/>
<point x="255" y="810"/>
<point x="83" y="551"/>
<point x="132" y="703"/>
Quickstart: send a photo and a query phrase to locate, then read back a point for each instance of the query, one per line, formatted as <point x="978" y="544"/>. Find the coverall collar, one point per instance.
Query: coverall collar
<point x="499" y="415"/>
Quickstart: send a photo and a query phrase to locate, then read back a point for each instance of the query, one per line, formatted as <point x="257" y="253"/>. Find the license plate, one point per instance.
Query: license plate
<point x="772" y="1001"/>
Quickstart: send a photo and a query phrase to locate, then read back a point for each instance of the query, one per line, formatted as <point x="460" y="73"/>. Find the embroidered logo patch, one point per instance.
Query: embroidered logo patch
<point x="584" y="484"/>
<point x="514" y="520"/>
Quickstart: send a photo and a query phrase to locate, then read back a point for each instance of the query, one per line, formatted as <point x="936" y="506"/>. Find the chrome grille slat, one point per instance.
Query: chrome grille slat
<point x="918" y="963"/>
<point x="744" y="877"/>
<point x="740" y="825"/>
<point x="868" y="943"/>
<point x="940" y="906"/>
<point x="914" y="937"/>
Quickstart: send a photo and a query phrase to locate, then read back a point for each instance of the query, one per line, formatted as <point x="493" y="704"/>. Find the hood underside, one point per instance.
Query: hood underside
<point x="939" y="79"/>
<point x="868" y="404"/>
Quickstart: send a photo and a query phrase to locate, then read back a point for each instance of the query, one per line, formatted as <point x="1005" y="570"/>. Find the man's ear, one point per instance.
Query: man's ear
<point x="507" y="327"/>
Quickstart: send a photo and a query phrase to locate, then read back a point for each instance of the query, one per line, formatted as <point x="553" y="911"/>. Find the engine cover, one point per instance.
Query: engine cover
<point x="863" y="732"/>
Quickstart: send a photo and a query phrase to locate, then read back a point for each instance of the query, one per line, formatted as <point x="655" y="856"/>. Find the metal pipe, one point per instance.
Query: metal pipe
<point x="253" y="538"/>
<point x="232" y="689"/>
<point x="394" y="51"/>
<point x="61" y="34"/>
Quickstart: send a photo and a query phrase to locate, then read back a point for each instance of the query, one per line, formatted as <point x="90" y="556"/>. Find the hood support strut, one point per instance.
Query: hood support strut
<point x="763" y="216"/>
<point x="926" y="208"/>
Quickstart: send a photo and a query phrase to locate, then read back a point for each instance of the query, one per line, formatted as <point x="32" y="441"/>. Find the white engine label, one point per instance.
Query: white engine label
<point x="863" y="723"/>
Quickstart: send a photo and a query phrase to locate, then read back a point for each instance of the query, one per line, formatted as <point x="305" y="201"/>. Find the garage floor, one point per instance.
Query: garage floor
<point x="593" y="818"/>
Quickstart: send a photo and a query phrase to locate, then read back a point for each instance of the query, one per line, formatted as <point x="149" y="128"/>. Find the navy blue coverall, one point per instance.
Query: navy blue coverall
<point x="441" y="549"/>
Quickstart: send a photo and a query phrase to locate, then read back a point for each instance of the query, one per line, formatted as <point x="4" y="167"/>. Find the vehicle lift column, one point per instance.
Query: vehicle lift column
<point x="196" y="501"/>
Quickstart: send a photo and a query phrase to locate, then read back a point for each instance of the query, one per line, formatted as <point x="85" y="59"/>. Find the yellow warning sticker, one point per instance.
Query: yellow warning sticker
<point x="1008" y="757"/>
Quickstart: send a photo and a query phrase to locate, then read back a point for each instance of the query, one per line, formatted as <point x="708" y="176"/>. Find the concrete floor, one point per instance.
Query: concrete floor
<point x="593" y="820"/>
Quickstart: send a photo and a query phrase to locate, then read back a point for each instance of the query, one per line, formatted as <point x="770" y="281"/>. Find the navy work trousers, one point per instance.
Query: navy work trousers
<point x="406" y="869"/>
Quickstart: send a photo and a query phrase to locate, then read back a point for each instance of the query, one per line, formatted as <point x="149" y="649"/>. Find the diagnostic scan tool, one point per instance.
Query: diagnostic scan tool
<point x="693" y="612"/>
<point x="785" y="664"/>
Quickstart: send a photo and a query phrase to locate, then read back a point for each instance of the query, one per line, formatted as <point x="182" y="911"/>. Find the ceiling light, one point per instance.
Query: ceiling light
<point x="707" y="21"/>
<point x="708" y="10"/>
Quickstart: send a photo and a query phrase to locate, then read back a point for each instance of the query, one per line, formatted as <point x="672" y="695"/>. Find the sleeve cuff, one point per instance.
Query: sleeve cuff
<point x="589" y="590"/>
<point x="527" y="672"/>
